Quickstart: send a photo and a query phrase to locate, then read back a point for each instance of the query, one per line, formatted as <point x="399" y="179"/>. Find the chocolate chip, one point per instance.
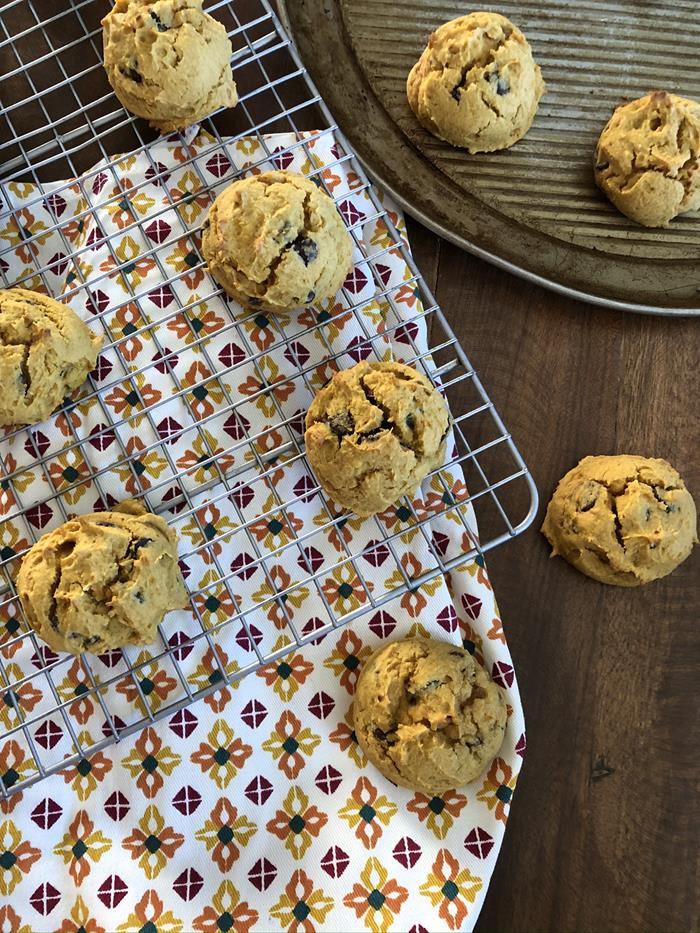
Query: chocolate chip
<point x="601" y="166"/>
<point x="160" y="25"/>
<point x="310" y="297"/>
<point x="135" y="546"/>
<point x="410" y="422"/>
<point x="306" y="248"/>
<point x="456" y="654"/>
<point x="647" y="515"/>
<point x="502" y="87"/>
<point x="456" y="92"/>
<point x="342" y="424"/>
<point x="139" y="597"/>
<point x="389" y="738"/>
<point x="132" y="75"/>
<point x="369" y="435"/>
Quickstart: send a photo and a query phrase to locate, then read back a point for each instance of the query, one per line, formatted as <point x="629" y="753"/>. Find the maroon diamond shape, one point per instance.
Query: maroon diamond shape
<point x="117" y="722"/>
<point x="503" y="674"/>
<point x="262" y="874"/>
<point x="98" y="182"/>
<point x="97" y="301"/>
<point x="382" y="624"/>
<point x="162" y="296"/>
<point x="102" y="369"/>
<point x="359" y="349"/>
<point x="242" y="495"/>
<point x="243" y="638"/>
<point x="472" y="605"/>
<point x="447" y="618"/>
<point x="183" y="640"/>
<point x="298" y="421"/>
<point x="186" y="800"/>
<point x="305" y="488"/>
<point x="39" y="515"/>
<point x="321" y="704"/>
<point x="117" y="806"/>
<point x="218" y="165"/>
<point x="183" y="723"/>
<point x="297" y="354"/>
<point x="95" y="238"/>
<point x="188" y="884"/>
<point x="313" y="625"/>
<point x="243" y="565"/>
<point x="328" y="779"/>
<point x="350" y="213"/>
<point x="58" y="264"/>
<point x="168" y="429"/>
<point x="46" y="813"/>
<point x="311" y="558"/>
<point x="56" y="204"/>
<point x="258" y="790"/>
<point x="231" y="355"/>
<point x="158" y="230"/>
<point x="165" y="360"/>
<point x="45" y="899"/>
<point x="407" y="332"/>
<point x="110" y="658"/>
<point x="44" y="657"/>
<point x="101" y="437"/>
<point x="407" y="852"/>
<point x="479" y="842"/>
<point x="253" y="713"/>
<point x="355" y="281"/>
<point x="281" y="159"/>
<point x="48" y="734"/>
<point x="175" y="493"/>
<point x="384" y="273"/>
<point x="41" y="442"/>
<point x="335" y="861"/>
<point x="236" y="426"/>
<point x="376" y="553"/>
<point x="155" y="170"/>
<point x="520" y="745"/>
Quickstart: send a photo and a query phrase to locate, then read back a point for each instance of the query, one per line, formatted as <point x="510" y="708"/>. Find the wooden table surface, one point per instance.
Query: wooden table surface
<point x="605" y="823"/>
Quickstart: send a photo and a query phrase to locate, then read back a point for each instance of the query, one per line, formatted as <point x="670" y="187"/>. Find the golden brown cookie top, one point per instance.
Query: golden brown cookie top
<point x="102" y="580"/>
<point x="427" y="714"/>
<point x="276" y="241"/>
<point x="374" y="432"/>
<point x="648" y="158"/>
<point x="476" y="84"/>
<point x="623" y="519"/>
<point x="46" y="351"/>
<point x="168" y="61"/>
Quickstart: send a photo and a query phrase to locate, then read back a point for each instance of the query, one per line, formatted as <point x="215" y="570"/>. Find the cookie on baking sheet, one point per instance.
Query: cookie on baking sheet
<point x="373" y="433"/>
<point x="275" y="241"/>
<point x="428" y="715"/>
<point x="46" y="352"/>
<point x="476" y="85"/>
<point x="648" y="158"/>
<point x="624" y="519"/>
<point x="102" y="580"/>
<point x="168" y="61"/>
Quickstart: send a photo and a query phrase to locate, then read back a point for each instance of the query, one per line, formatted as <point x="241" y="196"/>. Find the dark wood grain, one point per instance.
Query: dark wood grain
<point x="605" y="822"/>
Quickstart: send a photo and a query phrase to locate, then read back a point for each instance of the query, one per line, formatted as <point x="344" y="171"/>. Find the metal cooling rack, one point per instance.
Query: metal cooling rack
<point x="60" y="118"/>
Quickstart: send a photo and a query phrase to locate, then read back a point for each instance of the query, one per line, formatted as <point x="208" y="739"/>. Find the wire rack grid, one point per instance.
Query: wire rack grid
<point x="61" y="118"/>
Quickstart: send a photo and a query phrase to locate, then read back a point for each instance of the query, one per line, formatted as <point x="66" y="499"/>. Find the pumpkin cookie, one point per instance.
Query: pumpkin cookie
<point x="46" y="352"/>
<point x="476" y="85"/>
<point x="102" y="580"/>
<point x="623" y="520"/>
<point x="374" y="433"/>
<point x="428" y="715"/>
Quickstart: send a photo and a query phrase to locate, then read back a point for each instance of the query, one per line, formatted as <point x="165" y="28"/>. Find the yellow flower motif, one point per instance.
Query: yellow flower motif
<point x="451" y="889"/>
<point x="85" y="775"/>
<point x="149" y="915"/>
<point x="22" y="189"/>
<point x="227" y="912"/>
<point x="289" y="742"/>
<point x="188" y="196"/>
<point x="344" y="591"/>
<point x="247" y="145"/>
<point x="297" y="822"/>
<point x="300" y="906"/>
<point x="365" y="810"/>
<point x="222" y="755"/>
<point x="378" y="899"/>
<point x="223" y="832"/>
<point x="152" y="843"/>
<point x="267" y="386"/>
<point x="80" y="843"/>
<point x="16" y="859"/>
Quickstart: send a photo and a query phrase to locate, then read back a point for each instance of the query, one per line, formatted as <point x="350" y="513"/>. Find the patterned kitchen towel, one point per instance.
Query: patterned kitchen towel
<point x="254" y="809"/>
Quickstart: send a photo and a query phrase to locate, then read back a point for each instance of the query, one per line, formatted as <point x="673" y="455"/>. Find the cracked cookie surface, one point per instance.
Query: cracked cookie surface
<point x="476" y="85"/>
<point x="624" y="520"/>
<point x="373" y="433"/>
<point x="46" y="352"/>
<point x="168" y="61"/>
<point x="102" y="580"/>
<point x="428" y="715"/>
<point x="648" y="158"/>
<point x="275" y="241"/>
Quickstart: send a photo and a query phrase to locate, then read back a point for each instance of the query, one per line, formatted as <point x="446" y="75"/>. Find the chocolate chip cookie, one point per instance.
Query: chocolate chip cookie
<point x="476" y="85"/>
<point x="374" y="433"/>
<point x="428" y="715"/>
<point x="275" y="241"/>
<point x="46" y="352"/>
<point x="624" y="520"/>
<point x="168" y="61"/>
<point x="648" y="158"/>
<point x="102" y="580"/>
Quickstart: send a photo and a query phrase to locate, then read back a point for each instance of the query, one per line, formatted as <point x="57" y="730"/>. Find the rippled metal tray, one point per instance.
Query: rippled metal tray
<point x="533" y="209"/>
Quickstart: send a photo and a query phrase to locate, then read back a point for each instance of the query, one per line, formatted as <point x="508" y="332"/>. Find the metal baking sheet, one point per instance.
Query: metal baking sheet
<point x="533" y="209"/>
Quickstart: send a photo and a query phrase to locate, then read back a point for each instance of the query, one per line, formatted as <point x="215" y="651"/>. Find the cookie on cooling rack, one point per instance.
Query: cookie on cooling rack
<point x="623" y="520"/>
<point x="168" y="61"/>
<point x="427" y="715"/>
<point x="373" y="433"/>
<point x="476" y="85"/>
<point x="102" y="580"/>
<point x="46" y="351"/>
<point x="275" y="241"/>
<point x="648" y="158"/>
